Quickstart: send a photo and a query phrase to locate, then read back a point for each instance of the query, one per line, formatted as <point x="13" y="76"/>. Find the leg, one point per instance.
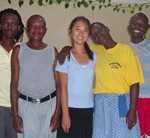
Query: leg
<point x="10" y="131"/>
<point x="6" y="126"/>
<point x="147" y="116"/>
<point x="141" y="115"/>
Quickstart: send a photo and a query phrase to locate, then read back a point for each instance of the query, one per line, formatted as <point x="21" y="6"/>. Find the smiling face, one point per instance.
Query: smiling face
<point x="80" y="32"/>
<point x="36" y="28"/>
<point x="9" y="25"/>
<point x="99" y="33"/>
<point x="138" y="25"/>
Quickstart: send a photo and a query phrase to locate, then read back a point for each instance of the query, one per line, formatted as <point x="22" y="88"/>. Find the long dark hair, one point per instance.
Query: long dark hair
<point x="86" y="21"/>
<point x="19" y="35"/>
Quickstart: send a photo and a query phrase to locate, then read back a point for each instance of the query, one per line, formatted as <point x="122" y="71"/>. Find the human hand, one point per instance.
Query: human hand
<point x="131" y="118"/>
<point x="66" y="123"/>
<point x="65" y="52"/>
<point x="18" y="124"/>
<point x="55" y="122"/>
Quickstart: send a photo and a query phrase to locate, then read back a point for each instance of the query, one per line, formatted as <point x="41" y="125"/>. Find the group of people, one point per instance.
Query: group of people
<point x="29" y="83"/>
<point x="82" y="92"/>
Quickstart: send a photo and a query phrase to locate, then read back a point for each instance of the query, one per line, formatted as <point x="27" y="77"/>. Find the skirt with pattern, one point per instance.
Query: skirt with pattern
<point x="109" y="119"/>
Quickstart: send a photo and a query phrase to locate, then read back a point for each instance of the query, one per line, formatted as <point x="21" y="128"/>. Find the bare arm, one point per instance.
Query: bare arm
<point x="94" y="81"/>
<point x="14" y="93"/>
<point x="131" y="118"/>
<point x="55" y="121"/>
<point x="66" y="121"/>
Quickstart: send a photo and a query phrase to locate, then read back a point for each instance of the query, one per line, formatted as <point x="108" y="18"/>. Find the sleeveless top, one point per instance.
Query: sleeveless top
<point x="5" y="75"/>
<point x="36" y="77"/>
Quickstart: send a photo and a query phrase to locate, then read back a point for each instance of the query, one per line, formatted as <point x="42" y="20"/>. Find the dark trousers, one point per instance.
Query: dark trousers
<point x="6" y="126"/>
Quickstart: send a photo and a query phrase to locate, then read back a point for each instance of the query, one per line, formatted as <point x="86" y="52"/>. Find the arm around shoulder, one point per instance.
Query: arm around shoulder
<point x="65" y="52"/>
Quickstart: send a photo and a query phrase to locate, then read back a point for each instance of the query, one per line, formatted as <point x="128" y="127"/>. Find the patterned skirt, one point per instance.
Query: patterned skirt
<point x="109" y="120"/>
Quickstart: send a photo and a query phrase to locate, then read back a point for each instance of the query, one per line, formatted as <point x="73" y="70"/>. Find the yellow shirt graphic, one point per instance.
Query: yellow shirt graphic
<point x="116" y="69"/>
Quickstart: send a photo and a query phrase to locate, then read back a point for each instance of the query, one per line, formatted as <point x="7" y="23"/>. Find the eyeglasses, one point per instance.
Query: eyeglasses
<point x="37" y="27"/>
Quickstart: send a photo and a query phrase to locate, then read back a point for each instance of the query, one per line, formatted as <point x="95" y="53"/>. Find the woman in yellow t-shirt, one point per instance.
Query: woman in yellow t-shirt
<point x="118" y="75"/>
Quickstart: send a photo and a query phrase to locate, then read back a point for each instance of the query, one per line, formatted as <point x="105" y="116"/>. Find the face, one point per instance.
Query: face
<point x="9" y="25"/>
<point x="80" y="32"/>
<point x="138" y="26"/>
<point x="36" y="29"/>
<point x="99" y="34"/>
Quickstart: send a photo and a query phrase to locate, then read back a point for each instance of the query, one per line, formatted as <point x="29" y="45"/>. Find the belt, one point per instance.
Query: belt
<point x="36" y="100"/>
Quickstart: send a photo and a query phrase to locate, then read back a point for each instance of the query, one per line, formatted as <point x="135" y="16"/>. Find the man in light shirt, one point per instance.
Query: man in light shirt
<point x="138" y="27"/>
<point x="11" y="31"/>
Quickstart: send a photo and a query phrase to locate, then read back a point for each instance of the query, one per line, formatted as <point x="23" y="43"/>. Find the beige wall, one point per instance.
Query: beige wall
<point x="58" y="19"/>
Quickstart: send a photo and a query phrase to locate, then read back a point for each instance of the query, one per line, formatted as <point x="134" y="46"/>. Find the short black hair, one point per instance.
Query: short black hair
<point x="35" y="16"/>
<point x="142" y="15"/>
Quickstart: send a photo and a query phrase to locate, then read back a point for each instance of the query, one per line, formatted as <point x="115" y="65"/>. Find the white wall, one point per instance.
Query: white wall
<point x="132" y="1"/>
<point x="58" y="19"/>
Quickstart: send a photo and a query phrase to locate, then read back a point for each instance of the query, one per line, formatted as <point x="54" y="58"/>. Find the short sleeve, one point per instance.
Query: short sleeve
<point x="62" y="68"/>
<point x="134" y="69"/>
